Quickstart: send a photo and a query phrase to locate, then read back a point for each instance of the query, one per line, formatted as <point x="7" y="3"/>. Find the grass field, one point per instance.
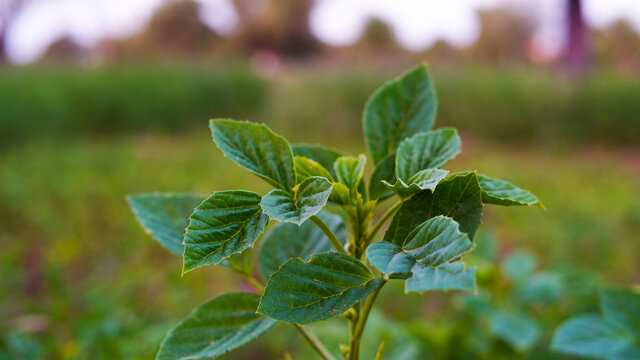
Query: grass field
<point x="80" y="273"/>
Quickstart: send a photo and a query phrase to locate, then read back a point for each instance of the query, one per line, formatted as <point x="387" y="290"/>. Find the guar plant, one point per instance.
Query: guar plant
<point x="324" y="258"/>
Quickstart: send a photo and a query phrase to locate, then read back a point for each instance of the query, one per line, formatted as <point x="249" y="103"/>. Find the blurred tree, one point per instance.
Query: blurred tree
<point x="64" y="50"/>
<point x="280" y="26"/>
<point x="377" y="34"/>
<point x="576" y="48"/>
<point x="619" y="44"/>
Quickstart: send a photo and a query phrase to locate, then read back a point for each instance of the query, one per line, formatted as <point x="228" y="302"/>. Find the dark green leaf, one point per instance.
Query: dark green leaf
<point x="306" y="167"/>
<point x="349" y="170"/>
<point x="390" y="259"/>
<point x="426" y="179"/>
<point x="326" y="285"/>
<point x="447" y="276"/>
<point x="437" y="241"/>
<point x="256" y="148"/>
<point x="518" y="330"/>
<point x="307" y="200"/>
<point x="500" y="192"/>
<point x="457" y="196"/>
<point x="224" y="224"/>
<point x="622" y="307"/>
<point x="320" y="154"/>
<point x="165" y="216"/>
<point x="385" y="170"/>
<point x="399" y="109"/>
<point x="426" y="151"/>
<point x="216" y="327"/>
<point x="590" y="335"/>
<point x="287" y="241"/>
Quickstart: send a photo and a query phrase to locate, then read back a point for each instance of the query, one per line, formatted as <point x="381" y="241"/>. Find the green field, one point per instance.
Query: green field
<point x="80" y="278"/>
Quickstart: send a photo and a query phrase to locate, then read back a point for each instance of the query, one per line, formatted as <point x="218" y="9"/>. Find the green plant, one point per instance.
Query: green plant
<point x="613" y="336"/>
<point x="322" y="260"/>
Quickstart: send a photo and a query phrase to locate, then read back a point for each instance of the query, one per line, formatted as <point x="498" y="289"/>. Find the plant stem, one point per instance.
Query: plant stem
<point x="306" y="333"/>
<point x="380" y="351"/>
<point x="392" y="210"/>
<point x="315" y="342"/>
<point x="364" y="314"/>
<point x="332" y="237"/>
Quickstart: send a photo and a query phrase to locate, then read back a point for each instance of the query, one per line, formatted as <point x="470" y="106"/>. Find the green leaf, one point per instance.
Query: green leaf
<point x="447" y="276"/>
<point x="340" y="194"/>
<point x="426" y="151"/>
<point x="458" y="196"/>
<point x="399" y="109"/>
<point x="622" y="307"/>
<point x="165" y="216"/>
<point x="349" y="170"/>
<point x="385" y="170"/>
<point x="390" y="259"/>
<point x="500" y="192"/>
<point x="426" y="179"/>
<point x="320" y="154"/>
<point x="518" y="330"/>
<point x="224" y="224"/>
<point x="307" y="200"/>
<point x="326" y="285"/>
<point x="286" y="241"/>
<point x="591" y="335"/>
<point x="216" y="327"/>
<point x="437" y="241"/>
<point x="242" y="263"/>
<point x="306" y="167"/>
<point x="519" y="266"/>
<point x="256" y="148"/>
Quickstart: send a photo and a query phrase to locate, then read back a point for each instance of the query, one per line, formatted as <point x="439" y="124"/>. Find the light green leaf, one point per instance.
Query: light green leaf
<point x="590" y="335"/>
<point x="216" y="327"/>
<point x="399" y="109"/>
<point x="226" y="223"/>
<point x="390" y="259"/>
<point x="518" y="330"/>
<point x="307" y="200"/>
<point x="426" y="179"/>
<point x="286" y="241"/>
<point x="165" y="216"/>
<point x="242" y="263"/>
<point x="340" y="194"/>
<point x="541" y="288"/>
<point x="519" y="266"/>
<point x="500" y="192"/>
<point x="622" y="307"/>
<point x="349" y="170"/>
<point x="437" y="241"/>
<point x="306" y="167"/>
<point x="326" y="285"/>
<point x="256" y="148"/>
<point x="385" y="170"/>
<point x="458" y="196"/>
<point x="447" y="276"/>
<point x="426" y="151"/>
<point x="318" y="153"/>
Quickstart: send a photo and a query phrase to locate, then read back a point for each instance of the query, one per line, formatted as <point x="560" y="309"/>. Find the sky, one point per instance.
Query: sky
<point x="416" y="24"/>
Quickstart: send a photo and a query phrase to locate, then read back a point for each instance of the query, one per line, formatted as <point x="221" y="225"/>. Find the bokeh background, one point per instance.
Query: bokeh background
<point x="103" y="98"/>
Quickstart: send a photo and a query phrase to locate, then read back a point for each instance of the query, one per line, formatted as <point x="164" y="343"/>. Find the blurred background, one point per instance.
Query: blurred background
<point x="103" y="98"/>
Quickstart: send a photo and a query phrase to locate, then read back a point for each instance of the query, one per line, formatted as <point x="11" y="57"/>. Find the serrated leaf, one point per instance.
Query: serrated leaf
<point x="385" y="170"/>
<point x="591" y="335"/>
<point x="326" y="285"/>
<point x="447" y="276"/>
<point x="226" y="223"/>
<point x="437" y="241"/>
<point x="518" y="330"/>
<point x="426" y="151"/>
<point x="256" y="148"/>
<point x="306" y="167"/>
<point x="216" y="327"/>
<point x="399" y="109"/>
<point x="307" y="200"/>
<point x="165" y="216"/>
<point x="349" y="170"/>
<point x="320" y="154"/>
<point x="500" y="192"/>
<point x="458" y="196"/>
<point x="426" y="179"/>
<point x="622" y="307"/>
<point x="286" y="241"/>
<point x="390" y="259"/>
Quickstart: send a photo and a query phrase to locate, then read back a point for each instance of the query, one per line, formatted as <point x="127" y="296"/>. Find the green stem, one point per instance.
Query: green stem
<point x="380" y="351"/>
<point x="332" y="237"/>
<point x="392" y="210"/>
<point x="253" y="282"/>
<point x="315" y="342"/>
<point x="368" y="305"/>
